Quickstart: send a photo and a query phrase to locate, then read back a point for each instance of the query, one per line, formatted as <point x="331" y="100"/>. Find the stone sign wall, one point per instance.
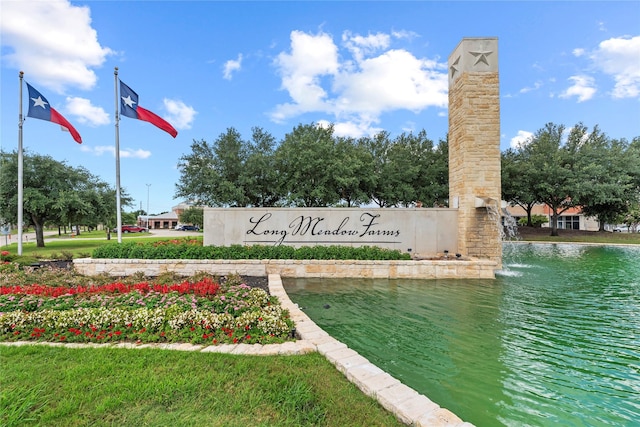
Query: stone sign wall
<point x="422" y="232"/>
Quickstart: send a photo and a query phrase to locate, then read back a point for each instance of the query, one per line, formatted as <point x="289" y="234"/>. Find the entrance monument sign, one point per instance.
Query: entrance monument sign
<point x="415" y="230"/>
<point x="470" y="225"/>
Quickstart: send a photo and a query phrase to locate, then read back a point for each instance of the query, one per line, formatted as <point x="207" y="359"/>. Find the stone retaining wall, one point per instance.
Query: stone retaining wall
<point x="425" y="269"/>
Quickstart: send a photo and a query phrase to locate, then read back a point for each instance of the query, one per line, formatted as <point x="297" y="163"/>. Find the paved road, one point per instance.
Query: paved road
<point x="53" y="235"/>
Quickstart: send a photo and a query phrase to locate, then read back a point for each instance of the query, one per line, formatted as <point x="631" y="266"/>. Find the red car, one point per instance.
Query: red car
<point x="131" y="229"/>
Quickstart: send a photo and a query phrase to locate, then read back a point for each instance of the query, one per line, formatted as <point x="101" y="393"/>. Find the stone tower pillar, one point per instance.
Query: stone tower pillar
<point x="474" y="147"/>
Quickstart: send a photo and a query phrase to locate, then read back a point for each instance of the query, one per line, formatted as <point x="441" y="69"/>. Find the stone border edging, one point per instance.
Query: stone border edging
<point x="409" y="406"/>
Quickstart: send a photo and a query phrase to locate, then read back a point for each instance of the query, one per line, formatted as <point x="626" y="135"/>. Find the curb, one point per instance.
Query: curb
<point x="409" y="406"/>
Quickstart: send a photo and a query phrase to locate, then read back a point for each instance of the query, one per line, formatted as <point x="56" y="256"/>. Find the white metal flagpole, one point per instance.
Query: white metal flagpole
<point x="117" y="116"/>
<point x="20" y="171"/>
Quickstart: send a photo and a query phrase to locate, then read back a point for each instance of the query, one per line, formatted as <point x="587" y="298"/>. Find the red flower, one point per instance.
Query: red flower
<point x="118" y="332"/>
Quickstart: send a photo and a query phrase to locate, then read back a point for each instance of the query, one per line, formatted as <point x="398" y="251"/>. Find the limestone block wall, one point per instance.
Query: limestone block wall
<point x="426" y="269"/>
<point x="474" y="146"/>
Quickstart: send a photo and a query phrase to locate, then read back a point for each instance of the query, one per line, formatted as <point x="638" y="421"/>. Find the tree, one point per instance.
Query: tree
<point x="260" y="178"/>
<point x="408" y="169"/>
<point x="211" y="174"/>
<point x="607" y="188"/>
<point x="554" y="175"/>
<point x="378" y="146"/>
<point x="517" y="181"/>
<point x="53" y="192"/>
<point x="353" y="171"/>
<point x="305" y="162"/>
<point x="193" y="216"/>
<point x="198" y="176"/>
<point x="432" y="181"/>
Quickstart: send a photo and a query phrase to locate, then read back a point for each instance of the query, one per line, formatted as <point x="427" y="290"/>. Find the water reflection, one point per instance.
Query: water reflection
<point x="554" y="340"/>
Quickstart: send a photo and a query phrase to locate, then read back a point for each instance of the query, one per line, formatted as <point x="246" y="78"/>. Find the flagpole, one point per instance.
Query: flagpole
<point x="20" y="170"/>
<point x="117" y="116"/>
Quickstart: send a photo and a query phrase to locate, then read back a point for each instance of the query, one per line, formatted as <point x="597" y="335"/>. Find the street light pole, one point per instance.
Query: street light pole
<point x="148" y="185"/>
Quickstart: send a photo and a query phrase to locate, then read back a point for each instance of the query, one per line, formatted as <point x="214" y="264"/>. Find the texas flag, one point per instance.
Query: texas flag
<point x="39" y="108"/>
<point x="129" y="107"/>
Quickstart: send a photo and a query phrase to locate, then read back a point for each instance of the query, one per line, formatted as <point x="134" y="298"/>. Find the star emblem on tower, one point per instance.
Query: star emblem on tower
<point x="453" y="69"/>
<point x="481" y="56"/>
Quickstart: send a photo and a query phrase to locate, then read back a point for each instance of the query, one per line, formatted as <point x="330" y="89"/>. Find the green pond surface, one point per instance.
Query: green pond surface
<point x="554" y="340"/>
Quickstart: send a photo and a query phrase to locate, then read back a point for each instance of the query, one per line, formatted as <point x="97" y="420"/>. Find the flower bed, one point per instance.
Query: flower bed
<point x="197" y="311"/>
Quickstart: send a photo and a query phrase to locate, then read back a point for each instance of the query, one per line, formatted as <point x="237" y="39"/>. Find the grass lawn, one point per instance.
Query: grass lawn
<point x="577" y="236"/>
<point x="58" y="247"/>
<point x="42" y="385"/>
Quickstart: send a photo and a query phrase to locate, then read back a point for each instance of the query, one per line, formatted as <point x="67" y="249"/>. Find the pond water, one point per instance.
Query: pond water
<point x="554" y="340"/>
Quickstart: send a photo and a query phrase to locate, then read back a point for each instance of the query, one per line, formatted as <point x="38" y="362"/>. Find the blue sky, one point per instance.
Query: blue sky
<point x="206" y="66"/>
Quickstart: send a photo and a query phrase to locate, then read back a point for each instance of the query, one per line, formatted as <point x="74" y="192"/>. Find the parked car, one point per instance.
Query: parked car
<point x="621" y="229"/>
<point x="131" y="229"/>
<point x="187" y="228"/>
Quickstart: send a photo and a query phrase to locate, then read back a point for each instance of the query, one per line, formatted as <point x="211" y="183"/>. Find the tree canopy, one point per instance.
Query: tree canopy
<point x="313" y="167"/>
<point x="565" y="168"/>
<point x="54" y="193"/>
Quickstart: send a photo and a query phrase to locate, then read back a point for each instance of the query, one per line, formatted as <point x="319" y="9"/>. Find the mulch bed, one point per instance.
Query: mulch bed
<point x="261" y="282"/>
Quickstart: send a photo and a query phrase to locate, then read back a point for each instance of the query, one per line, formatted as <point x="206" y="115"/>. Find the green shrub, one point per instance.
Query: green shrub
<point x="536" y="220"/>
<point x="159" y="250"/>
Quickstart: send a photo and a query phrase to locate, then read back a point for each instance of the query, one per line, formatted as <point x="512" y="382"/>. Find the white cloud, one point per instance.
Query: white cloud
<point x="583" y="87"/>
<point x="537" y="85"/>
<point x="134" y="154"/>
<point x="53" y="42"/>
<point x="180" y="115"/>
<point x="356" y="85"/>
<point x="619" y="58"/>
<point x="87" y="113"/>
<point x="311" y="58"/>
<point x="521" y="139"/>
<point x="99" y="150"/>
<point x="230" y="66"/>
<point x="578" y="52"/>
<point x="361" y="45"/>
<point x="351" y="129"/>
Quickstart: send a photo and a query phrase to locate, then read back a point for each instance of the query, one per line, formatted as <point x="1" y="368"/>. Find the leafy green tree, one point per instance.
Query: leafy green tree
<point x="305" y="162"/>
<point x="198" y="177"/>
<point x="408" y="169"/>
<point x="607" y="188"/>
<point x="211" y="174"/>
<point x="555" y="177"/>
<point x="378" y="146"/>
<point x="353" y="171"/>
<point x="517" y="181"/>
<point x="53" y="192"/>
<point x="432" y="181"/>
<point x="193" y="216"/>
<point x="260" y="178"/>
